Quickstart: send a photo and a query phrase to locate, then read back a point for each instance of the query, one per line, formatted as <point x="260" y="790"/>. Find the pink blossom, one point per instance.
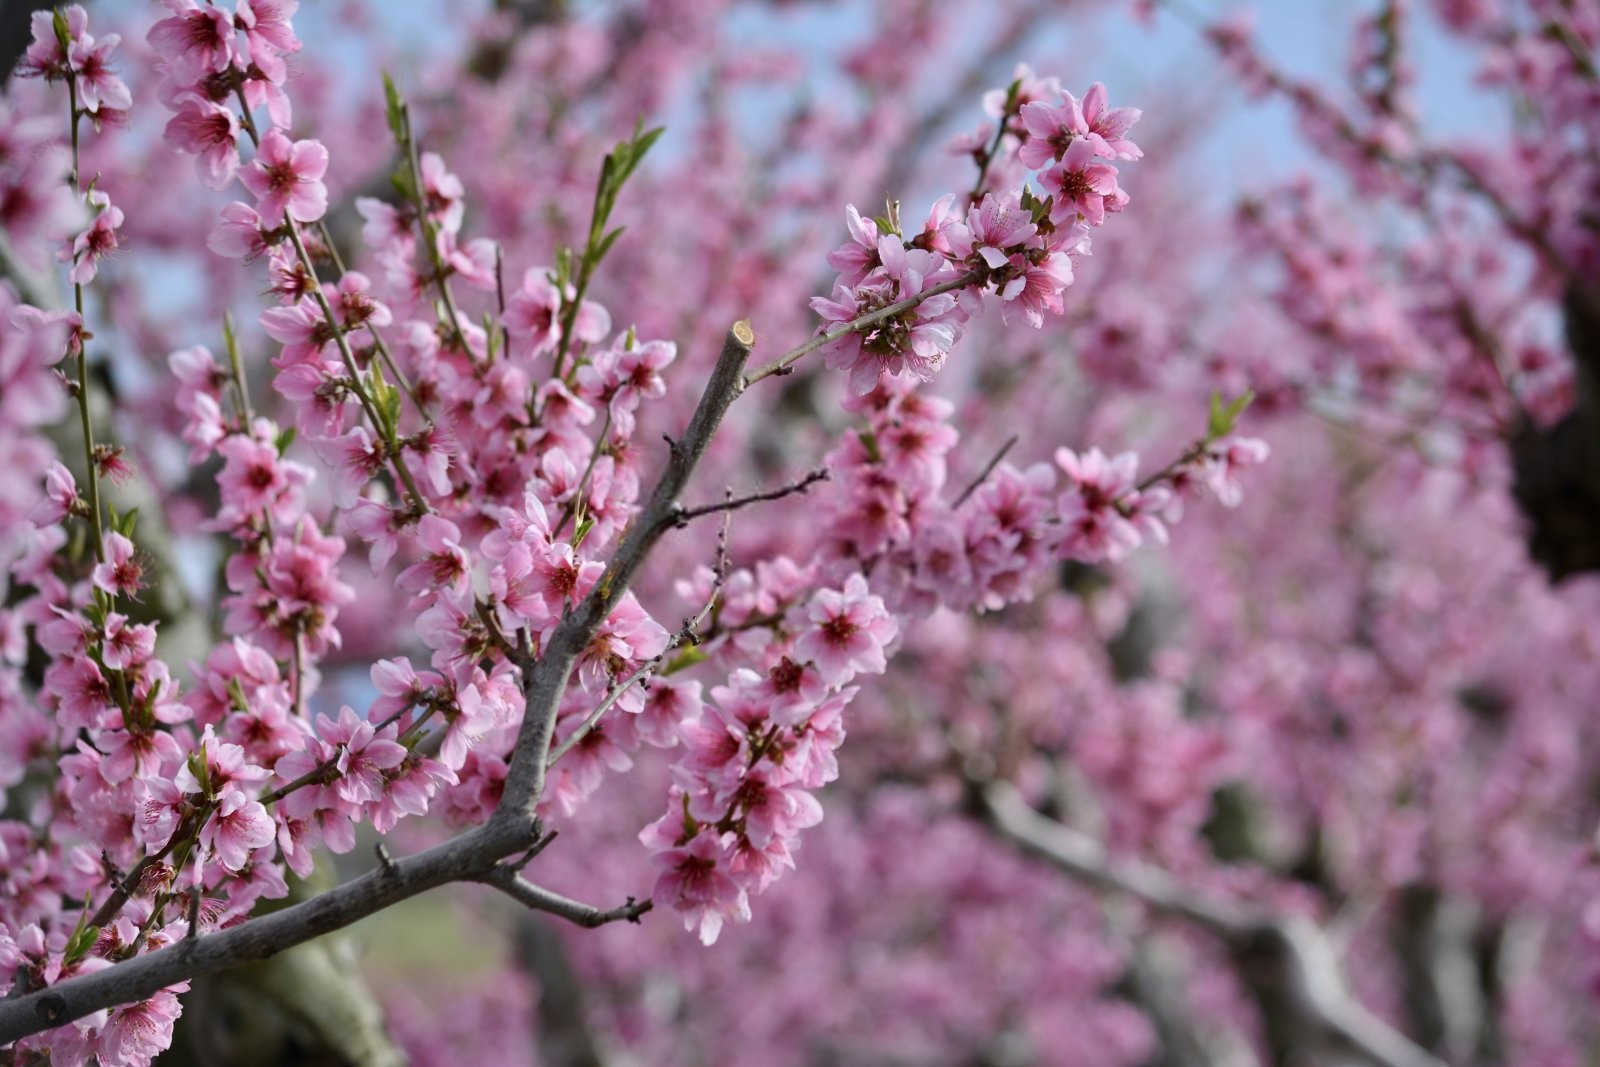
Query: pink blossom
<point x="60" y="496"/>
<point x="365" y="753"/>
<point x="137" y="754"/>
<point x="1222" y="462"/>
<point x="239" y="233"/>
<point x="136" y="1033"/>
<point x="95" y="243"/>
<point x="443" y="564"/>
<point x="695" y="883"/>
<point x="44" y="56"/>
<point x="1082" y="186"/>
<point x="849" y="629"/>
<point x="533" y="313"/>
<point x="196" y="40"/>
<point x="858" y="258"/>
<point x="120" y="574"/>
<point x="1091" y="508"/>
<point x="1109" y="126"/>
<point x="124" y="644"/>
<point x="208" y="131"/>
<point x="238" y="827"/>
<point x="442" y="193"/>
<point x="98" y="88"/>
<point x="915" y="341"/>
<point x="286" y="178"/>
<point x="1051" y="128"/>
<point x="268" y="34"/>
<point x="253" y="477"/>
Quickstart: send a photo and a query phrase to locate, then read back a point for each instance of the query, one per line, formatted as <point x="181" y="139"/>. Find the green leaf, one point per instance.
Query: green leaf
<point x="605" y="245"/>
<point x="58" y="22"/>
<point x="585" y="524"/>
<point x="1224" y="416"/>
<point x="201" y="769"/>
<point x="230" y="341"/>
<point x="404" y="186"/>
<point x="690" y="655"/>
<point x="384" y="396"/>
<point x="492" y="332"/>
<point x="127" y="523"/>
<point x="284" y="439"/>
<point x="394" y="109"/>
<point x="83" y="938"/>
<point x="869" y="441"/>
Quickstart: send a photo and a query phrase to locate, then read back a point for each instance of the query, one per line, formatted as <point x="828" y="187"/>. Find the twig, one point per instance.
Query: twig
<point x="782" y="364"/>
<point x="687" y="632"/>
<point x="464" y="857"/>
<point x="683" y="515"/>
<point x="988" y="469"/>
<point x="541" y="899"/>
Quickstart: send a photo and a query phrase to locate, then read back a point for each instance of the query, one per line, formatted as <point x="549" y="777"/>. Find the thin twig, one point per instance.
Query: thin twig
<point x="689" y="631"/>
<point x="683" y="515"/>
<point x="541" y="899"/>
<point x="782" y="364"/>
<point x="545" y="680"/>
<point x="988" y="469"/>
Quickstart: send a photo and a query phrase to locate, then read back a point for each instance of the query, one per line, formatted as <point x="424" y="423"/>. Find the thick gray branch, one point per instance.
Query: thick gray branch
<point x="1287" y="960"/>
<point x="545" y="681"/>
<point x="465" y="857"/>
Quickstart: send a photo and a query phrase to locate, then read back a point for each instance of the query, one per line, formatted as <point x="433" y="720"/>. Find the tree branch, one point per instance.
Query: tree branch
<point x="683" y="515"/>
<point x="1288" y="956"/>
<point x="470" y="856"/>
<point x="988" y="469"/>
<point x="518" y="888"/>
<point x="545" y="680"/>
<point x="464" y="857"/>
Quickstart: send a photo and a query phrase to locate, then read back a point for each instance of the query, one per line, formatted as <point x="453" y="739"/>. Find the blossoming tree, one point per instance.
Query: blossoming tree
<point x="481" y="527"/>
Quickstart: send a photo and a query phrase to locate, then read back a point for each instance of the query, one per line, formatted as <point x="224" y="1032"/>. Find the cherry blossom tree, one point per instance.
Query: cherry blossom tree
<point x="1029" y="618"/>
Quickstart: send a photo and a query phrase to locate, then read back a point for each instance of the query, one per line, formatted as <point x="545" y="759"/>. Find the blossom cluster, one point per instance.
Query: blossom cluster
<point x="481" y="443"/>
<point x="1013" y="247"/>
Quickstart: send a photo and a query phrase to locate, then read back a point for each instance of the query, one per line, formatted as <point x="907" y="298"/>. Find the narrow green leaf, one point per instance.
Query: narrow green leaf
<point x="585" y="524"/>
<point x="869" y="440"/>
<point x="605" y="244"/>
<point x="691" y="655"/>
<point x="394" y="109"/>
<point x="1225" y="415"/>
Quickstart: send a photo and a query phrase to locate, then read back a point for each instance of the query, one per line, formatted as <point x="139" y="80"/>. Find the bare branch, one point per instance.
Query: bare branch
<point x="988" y="469"/>
<point x="518" y="888"/>
<point x="1289" y="958"/>
<point x="683" y="515"/>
